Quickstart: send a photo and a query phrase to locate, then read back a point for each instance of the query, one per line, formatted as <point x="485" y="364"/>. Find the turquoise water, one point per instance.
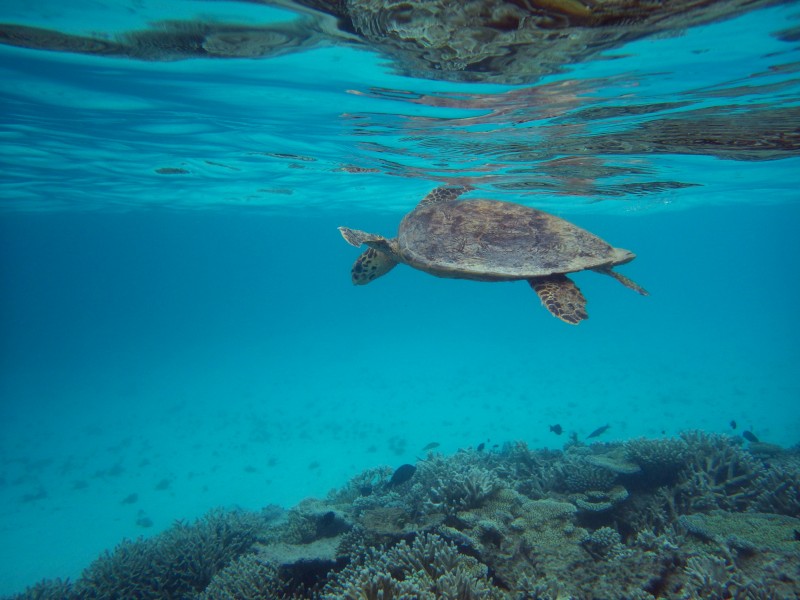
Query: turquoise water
<point x="179" y="340"/>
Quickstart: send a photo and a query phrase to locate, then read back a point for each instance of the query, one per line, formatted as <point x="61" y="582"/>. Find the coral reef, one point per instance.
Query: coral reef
<point x="246" y="577"/>
<point x="49" y="589"/>
<point x="698" y="516"/>
<point x="176" y="563"/>
<point x="428" y="568"/>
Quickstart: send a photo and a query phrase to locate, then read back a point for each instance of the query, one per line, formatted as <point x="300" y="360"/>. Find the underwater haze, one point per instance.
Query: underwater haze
<point x="178" y="328"/>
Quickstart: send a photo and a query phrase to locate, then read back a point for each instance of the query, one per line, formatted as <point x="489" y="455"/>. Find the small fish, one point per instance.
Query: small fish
<point x="431" y="446"/>
<point x="796" y="535"/>
<point x="144" y="521"/>
<point x="599" y="431"/>
<point x="402" y="474"/>
<point x="557" y="429"/>
<point x="750" y="437"/>
<point x="481" y="446"/>
<point x="733" y="424"/>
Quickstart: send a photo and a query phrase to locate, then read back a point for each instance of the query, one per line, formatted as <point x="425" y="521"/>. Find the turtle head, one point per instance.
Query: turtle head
<point x="622" y="256"/>
<point x="380" y="258"/>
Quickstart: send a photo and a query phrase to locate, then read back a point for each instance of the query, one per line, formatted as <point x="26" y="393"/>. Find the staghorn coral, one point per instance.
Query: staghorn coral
<point x="660" y="459"/>
<point x="467" y="489"/>
<point x="646" y="510"/>
<point x="534" y="588"/>
<point x="742" y="555"/>
<point x="180" y="561"/>
<point x="362" y="485"/>
<point x="450" y="485"/>
<point x="49" y="589"/>
<point x="429" y="568"/>
<point x="604" y="544"/>
<point x="313" y="519"/>
<point x="712" y="578"/>
<point x="246" y="577"/>
<point x="532" y="473"/>
<point x="719" y="474"/>
<point x="581" y="471"/>
<point x="779" y="489"/>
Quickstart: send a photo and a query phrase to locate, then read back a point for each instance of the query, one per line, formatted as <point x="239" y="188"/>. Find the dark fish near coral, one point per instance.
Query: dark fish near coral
<point x="481" y="446"/>
<point x="557" y="429"/>
<point x="599" y="431"/>
<point x="431" y="446"/>
<point x="144" y="521"/>
<point x="402" y="474"/>
<point x="733" y="424"/>
<point x="750" y="437"/>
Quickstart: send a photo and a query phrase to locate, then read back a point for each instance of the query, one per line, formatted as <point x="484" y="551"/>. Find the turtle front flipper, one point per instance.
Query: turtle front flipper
<point x="356" y="238"/>
<point x="443" y="194"/>
<point x="561" y="296"/>
<point x="371" y="265"/>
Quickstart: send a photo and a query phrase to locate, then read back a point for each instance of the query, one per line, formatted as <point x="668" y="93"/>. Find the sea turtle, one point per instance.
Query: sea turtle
<point x="488" y="240"/>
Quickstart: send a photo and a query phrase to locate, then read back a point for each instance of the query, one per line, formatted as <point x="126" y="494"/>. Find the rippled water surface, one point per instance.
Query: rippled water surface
<point x="178" y="330"/>
<point x="682" y="118"/>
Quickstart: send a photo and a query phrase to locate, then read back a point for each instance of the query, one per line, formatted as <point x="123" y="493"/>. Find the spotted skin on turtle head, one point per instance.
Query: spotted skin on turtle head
<point x="370" y="265"/>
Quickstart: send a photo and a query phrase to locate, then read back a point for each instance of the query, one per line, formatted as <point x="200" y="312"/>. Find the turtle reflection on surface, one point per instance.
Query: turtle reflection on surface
<point x="476" y="40"/>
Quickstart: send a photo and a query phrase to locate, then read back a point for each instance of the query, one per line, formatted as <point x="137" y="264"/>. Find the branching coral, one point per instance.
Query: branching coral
<point x="718" y="475"/>
<point x="779" y="490"/>
<point x="427" y="569"/>
<point x="582" y="470"/>
<point x="447" y="486"/>
<point x="605" y="544"/>
<point x="180" y="561"/>
<point x="49" y="589"/>
<point x="462" y="490"/>
<point x="362" y="485"/>
<point x="712" y="578"/>
<point x="659" y="459"/>
<point x="532" y="473"/>
<point x="246" y="577"/>
<point x="312" y="520"/>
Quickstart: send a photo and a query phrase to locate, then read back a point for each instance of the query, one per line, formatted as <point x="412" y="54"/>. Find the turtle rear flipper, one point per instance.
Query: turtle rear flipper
<point x="371" y="265"/>
<point x="626" y="281"/>
<point x="561" y="296"/>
